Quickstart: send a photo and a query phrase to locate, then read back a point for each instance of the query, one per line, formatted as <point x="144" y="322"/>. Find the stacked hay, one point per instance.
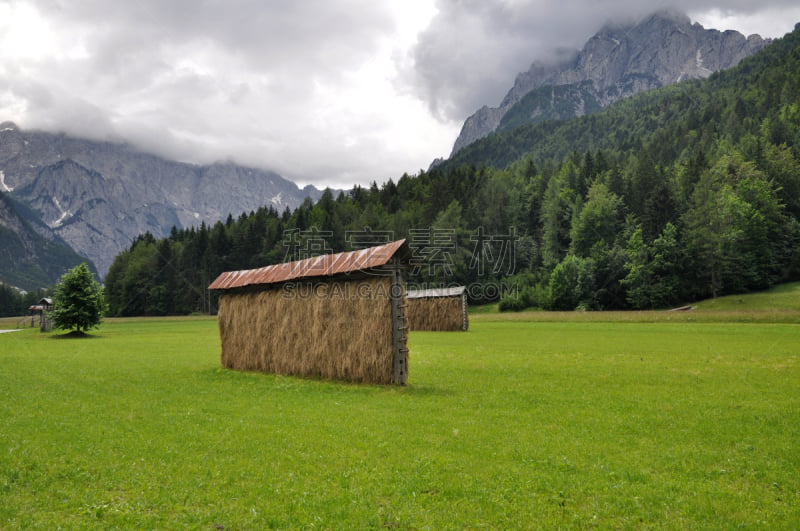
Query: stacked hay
<point x="328" y="333"/>
<point x="438" y="310"/>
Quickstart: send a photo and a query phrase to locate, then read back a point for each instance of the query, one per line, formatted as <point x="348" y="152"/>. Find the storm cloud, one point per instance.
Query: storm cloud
<point x="324" y="92"/>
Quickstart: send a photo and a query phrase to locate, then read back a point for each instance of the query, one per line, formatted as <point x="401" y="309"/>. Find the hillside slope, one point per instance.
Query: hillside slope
<point x="691" y="115"/>
<point x="31" y="258"/>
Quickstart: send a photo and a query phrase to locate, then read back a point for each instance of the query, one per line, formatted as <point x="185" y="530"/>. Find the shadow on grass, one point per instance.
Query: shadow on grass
<point x="282" y="382"/>
<point x="75" y="335"/>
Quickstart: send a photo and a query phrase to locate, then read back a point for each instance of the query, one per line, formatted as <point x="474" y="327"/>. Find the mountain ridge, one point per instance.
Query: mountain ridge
<point x="97" y="196"/>
<point x="620" y="60"/>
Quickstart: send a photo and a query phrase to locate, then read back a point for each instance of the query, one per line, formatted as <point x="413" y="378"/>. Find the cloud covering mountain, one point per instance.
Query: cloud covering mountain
<point x="323" y="92"/>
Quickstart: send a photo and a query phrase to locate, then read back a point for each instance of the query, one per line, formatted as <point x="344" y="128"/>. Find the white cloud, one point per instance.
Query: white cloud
<point x="771" y="21"/>
<point x="471" y="52"/>
<point x="324" y="92"/>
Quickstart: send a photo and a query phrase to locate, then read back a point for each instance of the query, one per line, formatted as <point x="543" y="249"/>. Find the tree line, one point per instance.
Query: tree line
<point x="670" y="196"/>
<point x="14" y="302"/>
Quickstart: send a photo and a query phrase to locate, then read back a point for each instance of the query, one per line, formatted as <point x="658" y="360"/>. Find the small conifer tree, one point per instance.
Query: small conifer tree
<point x="78" y="301"/>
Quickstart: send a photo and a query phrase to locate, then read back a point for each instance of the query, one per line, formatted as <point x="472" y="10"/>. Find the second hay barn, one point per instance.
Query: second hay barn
<point x="439" y="310"/>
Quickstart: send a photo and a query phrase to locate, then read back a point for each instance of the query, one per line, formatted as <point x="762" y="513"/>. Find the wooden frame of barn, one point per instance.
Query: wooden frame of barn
<point x="443" y="309"/>
<point x="338" y="316"/>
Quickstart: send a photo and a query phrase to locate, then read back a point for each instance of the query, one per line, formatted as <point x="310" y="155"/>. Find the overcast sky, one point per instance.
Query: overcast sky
<point x="327" y="92"/>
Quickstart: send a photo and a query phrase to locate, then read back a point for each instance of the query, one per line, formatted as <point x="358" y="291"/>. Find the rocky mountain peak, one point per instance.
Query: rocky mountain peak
<point x="619" y="60"/>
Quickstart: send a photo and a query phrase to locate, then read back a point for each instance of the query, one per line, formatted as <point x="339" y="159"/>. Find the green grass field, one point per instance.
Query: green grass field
<point x="525" y="421"/>
<point x="785" y="297"/>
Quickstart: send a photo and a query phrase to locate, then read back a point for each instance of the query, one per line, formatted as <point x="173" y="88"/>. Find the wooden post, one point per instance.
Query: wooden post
<point x="464" y="315"/>
<point x="399" y="326"/>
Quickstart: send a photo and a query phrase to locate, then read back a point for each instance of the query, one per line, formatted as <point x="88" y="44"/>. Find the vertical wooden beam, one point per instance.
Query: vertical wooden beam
<point x="464" y="315"/>
<point x="399" y="326"/>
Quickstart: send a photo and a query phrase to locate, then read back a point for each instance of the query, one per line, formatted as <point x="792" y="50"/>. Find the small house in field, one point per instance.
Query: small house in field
<point x="438" y="309"/>
<point x="339" y="316"/>
<point x="40" y="310"/>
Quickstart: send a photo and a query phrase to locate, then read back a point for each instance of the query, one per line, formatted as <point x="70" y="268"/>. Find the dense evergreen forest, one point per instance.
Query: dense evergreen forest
<point x="664" y="198"/>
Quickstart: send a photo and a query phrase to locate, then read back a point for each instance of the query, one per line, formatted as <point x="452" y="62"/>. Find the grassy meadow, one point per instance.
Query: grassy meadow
<point x="533" y="420"/>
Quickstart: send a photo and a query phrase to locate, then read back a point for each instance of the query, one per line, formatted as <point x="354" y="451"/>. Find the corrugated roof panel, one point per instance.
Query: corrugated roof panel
<point x="318" y="266"/>
<point x="436" y="292"/>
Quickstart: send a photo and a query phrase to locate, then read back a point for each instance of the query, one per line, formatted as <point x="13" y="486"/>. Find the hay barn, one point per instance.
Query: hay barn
<point x="438" y="309"/>
<point x="338" y="316"/>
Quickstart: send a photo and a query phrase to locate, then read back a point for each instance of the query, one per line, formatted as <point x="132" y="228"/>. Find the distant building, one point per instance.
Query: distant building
<point x="41" y="310"/>
<point x="443" y="309"/>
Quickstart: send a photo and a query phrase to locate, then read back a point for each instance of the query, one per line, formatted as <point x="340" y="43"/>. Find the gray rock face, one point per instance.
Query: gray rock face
<point x="23" y="235"/>
<point x="621" y="60"/>
<point x="98" y="196"/>
<point x="31" y="255"/>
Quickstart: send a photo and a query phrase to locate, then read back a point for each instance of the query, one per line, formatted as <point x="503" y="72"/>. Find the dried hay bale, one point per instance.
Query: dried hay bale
<point x="336" y="329"/>
<point x="437" y="314"/>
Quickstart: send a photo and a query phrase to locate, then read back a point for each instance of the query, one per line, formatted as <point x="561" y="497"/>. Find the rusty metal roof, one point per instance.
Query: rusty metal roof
<point x="318" y="266"/>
